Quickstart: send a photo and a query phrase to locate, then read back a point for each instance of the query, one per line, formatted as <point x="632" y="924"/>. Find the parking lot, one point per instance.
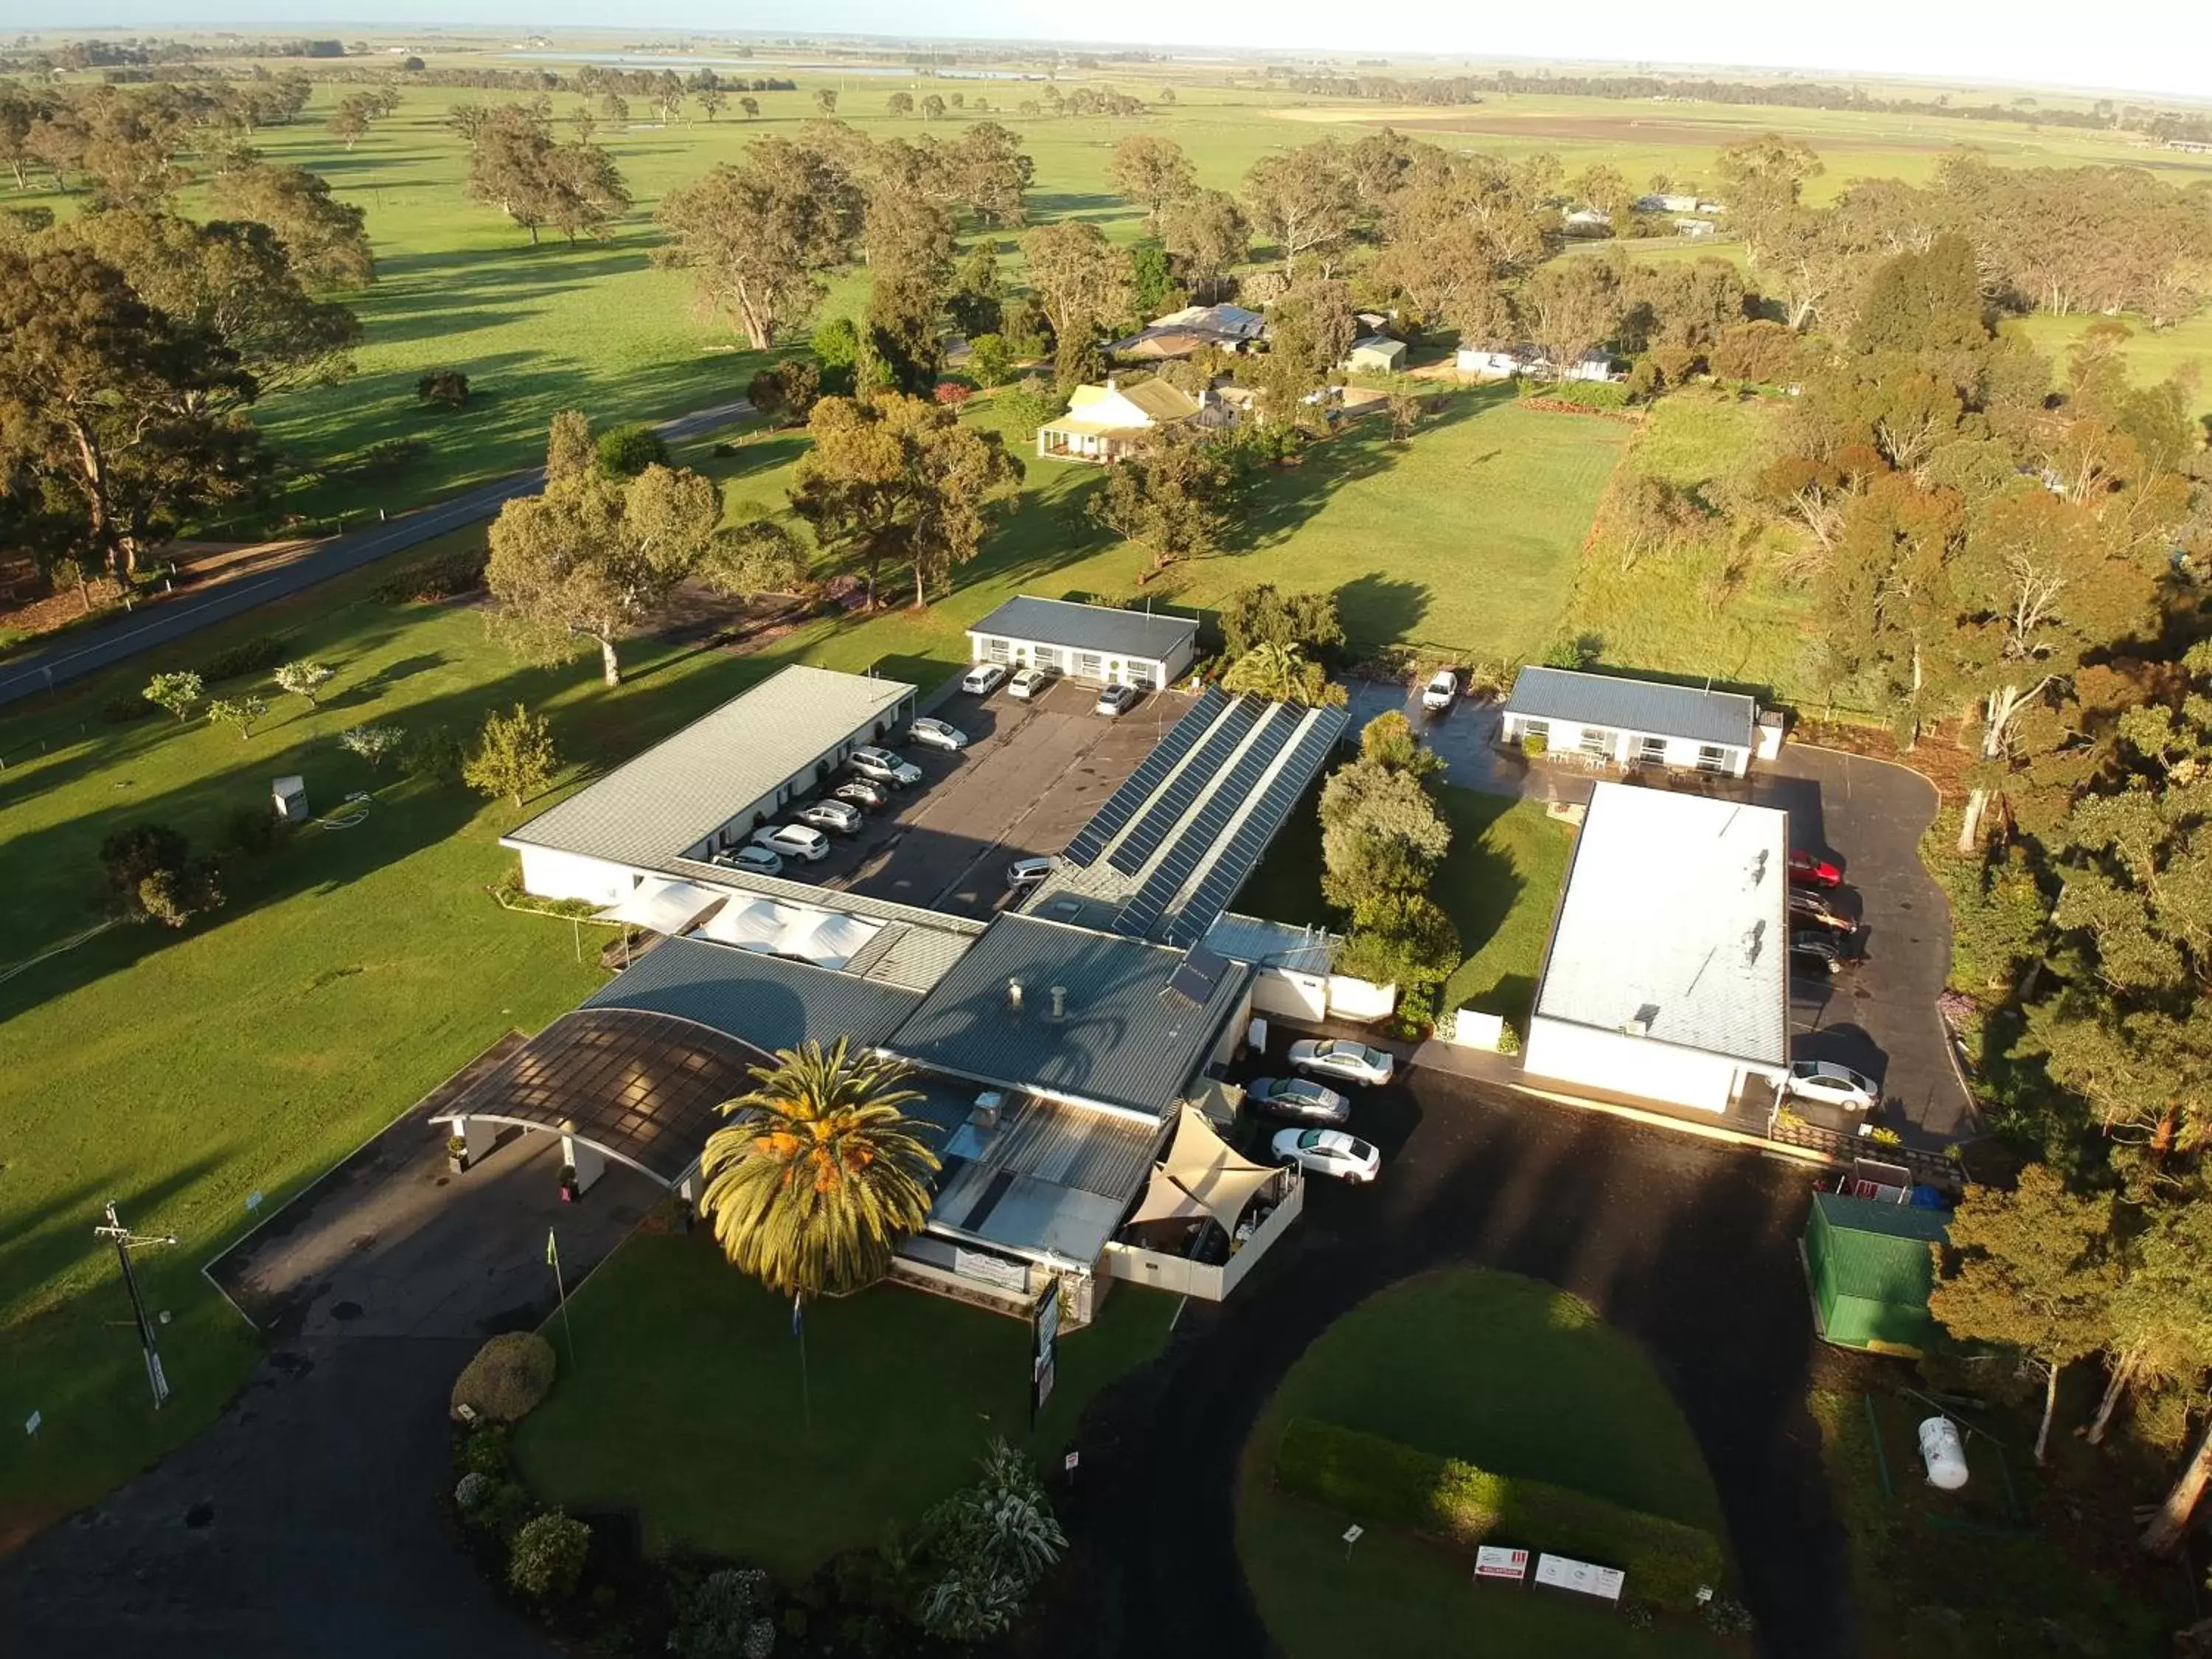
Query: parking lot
<point x="1031" y="776"/>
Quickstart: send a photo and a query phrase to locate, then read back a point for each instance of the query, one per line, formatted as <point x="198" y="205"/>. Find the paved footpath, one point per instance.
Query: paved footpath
<point x="80" y="654"/>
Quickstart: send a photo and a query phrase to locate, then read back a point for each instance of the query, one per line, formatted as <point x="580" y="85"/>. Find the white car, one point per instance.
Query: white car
<point x="840" y="816"/>
<point x="939" y="734"/>
<point x="1837" y="1086"/>
<point x="1026" y="873"/>
<point x="884" y="766"/>
<point x="1328" y="1153"/>
<point x="753" y="861"/>
<point x="983" y="679"/>
<point x="792" y="841"/>
<point x="1116" y="700"/>
<point x="1441" y="691"/>
<point x="1343" y="1061"/>
<point x="1031" y="683"/>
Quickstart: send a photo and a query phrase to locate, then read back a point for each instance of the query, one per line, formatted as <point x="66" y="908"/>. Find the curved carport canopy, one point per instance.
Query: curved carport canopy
<point x="639" y="1088"/>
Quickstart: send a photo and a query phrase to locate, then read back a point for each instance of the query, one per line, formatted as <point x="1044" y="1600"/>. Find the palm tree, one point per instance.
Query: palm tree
<point x="819" y="1174"/>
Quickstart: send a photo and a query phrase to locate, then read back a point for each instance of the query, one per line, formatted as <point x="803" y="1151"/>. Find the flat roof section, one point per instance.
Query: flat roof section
<point x="1672" y="925"/>
<point x="656" y="807"/>
<point x="1051" y="1177"/>
<point x="643" y="1088"/>
<point x="1099" y="627"/>
<point x="768" y="1002"/>
<point x="1629" y="705"/>
<point x="1121" y="1041"/>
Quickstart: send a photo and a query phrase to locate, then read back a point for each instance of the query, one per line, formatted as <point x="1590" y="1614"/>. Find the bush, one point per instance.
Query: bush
<point x="470" y="1491"/>
<point x="626" y="451"/>
<point x="121" y="711"/>
<point x="173" y="897"/>
<point x="725" y="1618"/>
<point x="952" y="393"/>
<point x="484" y="1451"/>
<point x="440" y="578"/>
<point x="448" y="388"/>
<point x="504" y="1511"/>
<point x="380" y="463"/>
<point x="255" y="656"/>
<point x="1381" y="1480"/>
<point x="435" y="753"/>
<point x="509" y="1375"/>
<point x="1583" y="394"/>
<point x="252" y="831"/>
<point x="1028" y="407"/>
<point x="1534" y="743"/>
<point x="547" y="1562"/>
<point x="989" y="360"/>
<point x="785" y="393"/>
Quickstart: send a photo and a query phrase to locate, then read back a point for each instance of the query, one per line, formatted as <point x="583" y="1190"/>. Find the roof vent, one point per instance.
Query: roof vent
<point x="988" y="1105"/>
<point x="1013" y="996"/>
<point x="1060" y="1002"/>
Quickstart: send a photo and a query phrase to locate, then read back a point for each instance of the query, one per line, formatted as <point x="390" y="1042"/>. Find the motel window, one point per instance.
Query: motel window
<point x="999" y="650"/>
<point x="1540" y="730"/>
<point x="1712" y="757"/>
<point x="1652" y="752"/>
<point x="1597" y="742"/>
<point x="1089" y="666"/>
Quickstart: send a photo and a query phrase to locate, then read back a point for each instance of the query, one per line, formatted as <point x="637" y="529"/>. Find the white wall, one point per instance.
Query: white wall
<point x="1164" y="671"/>
<point x="1291" y="996"/>
<point x="569" y="876"/>
<point x="1359" y="998"/>
<point x="1624" y="749"/>
<point x="1622" y="1065"/>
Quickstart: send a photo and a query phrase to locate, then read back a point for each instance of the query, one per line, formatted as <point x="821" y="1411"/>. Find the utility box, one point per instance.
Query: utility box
<point x="289" y="797"/>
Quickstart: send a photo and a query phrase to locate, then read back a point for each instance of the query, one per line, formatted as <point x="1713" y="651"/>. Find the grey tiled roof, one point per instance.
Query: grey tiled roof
<point x="659" y="805"/>
<point x="1121" y="1042"/>
<point x="1627" y="705"/>
<point x="1088" y="628"/>
<point x="769" y="1002"/>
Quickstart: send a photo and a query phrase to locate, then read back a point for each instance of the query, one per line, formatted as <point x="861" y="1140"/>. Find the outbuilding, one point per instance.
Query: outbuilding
<point x="1096" y="643"/>
<point x="1666" y="979"/>
<point x="1630" y="724"/>
<point x="1871" y="1266"/>
<point x="1378" y="354"/>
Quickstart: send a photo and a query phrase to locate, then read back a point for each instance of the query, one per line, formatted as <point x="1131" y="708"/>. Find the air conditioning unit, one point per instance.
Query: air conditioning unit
<point x="988" y="1105"/>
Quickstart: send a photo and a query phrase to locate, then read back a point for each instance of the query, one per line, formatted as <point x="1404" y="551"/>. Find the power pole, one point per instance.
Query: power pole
<point x="125" y="1241"/>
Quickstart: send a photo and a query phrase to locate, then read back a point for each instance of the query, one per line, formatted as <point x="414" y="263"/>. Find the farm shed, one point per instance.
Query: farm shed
<point x="1378" y="354"/>
<point x="1870" y="1271"/>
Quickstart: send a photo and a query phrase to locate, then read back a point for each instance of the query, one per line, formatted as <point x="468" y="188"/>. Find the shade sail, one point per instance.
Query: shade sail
<point x="1166" y="1201"/>
<point x="828" y="938"/>
<point x="1203" y="1166"/>
<point x="665" y="907"/>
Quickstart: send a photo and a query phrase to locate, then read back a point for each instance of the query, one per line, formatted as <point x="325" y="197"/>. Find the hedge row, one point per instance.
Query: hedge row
<point x="1374" y="1480"/>
<point x="1583" y="394"/>
<point x="461" y="571"/>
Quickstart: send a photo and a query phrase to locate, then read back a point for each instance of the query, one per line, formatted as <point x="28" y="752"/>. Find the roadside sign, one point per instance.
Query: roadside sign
<point x="1584" y="1578"/>
<point x="1496" y="1561"/>
<point x="1354" y="1533"/>
<point x="1041" y="1389"/>
<point x="31" y="1423"/>
<point x="1071" y="1460"/>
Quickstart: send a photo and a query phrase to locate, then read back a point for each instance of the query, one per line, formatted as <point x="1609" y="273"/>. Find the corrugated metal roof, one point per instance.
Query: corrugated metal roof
<point x="1088" y="628"/>
<point x="662" y="803"/>
<point x="1272" y="944"/>
<point x="1121" y="1042"/>
<point x="769" y="1002"/>
<point x="1628" y="705"/>
<point x="1671" y="925"/>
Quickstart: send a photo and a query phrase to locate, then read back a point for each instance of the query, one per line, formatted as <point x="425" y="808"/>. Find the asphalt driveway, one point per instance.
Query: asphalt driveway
<point x="305" y="1520"/>
<point x="1688" y="1249"/>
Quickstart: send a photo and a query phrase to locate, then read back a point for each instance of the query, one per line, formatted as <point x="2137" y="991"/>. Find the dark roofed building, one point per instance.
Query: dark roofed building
<point x="1112" y="1036"/>
<point x="1631" y="723"/>
<point x="1094" y="642"/>
<point x="769" y="1002"/>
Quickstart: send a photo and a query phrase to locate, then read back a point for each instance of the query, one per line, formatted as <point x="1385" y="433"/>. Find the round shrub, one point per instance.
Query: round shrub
<point x="547" y="1562"/>
<point x="485" y="1452"/>
<point x="448" y="388"/>
<point x="507" y="1379"/>
<point x="503" y="1511"/>
<point x="470" y="1491"/>
<point x="626" y="451"/>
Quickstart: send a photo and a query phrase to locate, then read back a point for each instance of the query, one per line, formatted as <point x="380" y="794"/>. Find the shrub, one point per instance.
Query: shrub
<point x="507" y="1379"/>
<point x="136" y="851"/>
<point x="435" y="753"/>
<point x="626" y="451"/>
<point x="988" y="1546"/>
<point x="725" y="1618"/>
<point x="504" y="1511"/>
<point x="380" y="463"/>
<point x="441" y="578"/>
<point x="1509" y="1039"/>
<point x="374" y="744"/>
<point x="1582" y="394"/>
<point x="470" y="1491"/>
<point x="173" y="897"/>
<point x="252" y="831"/>
<point x="255" y="656"/>
<point x="448" y="388"/>
<point x="1534" y="743"/>
<point x="952" y="393"/>
<point x="121" y="711"/>
<point x="547" y="1561"/>
<point x="1380" y="1479"/>
<point x="785" y="393"/>
<point x="483" y="1451"/>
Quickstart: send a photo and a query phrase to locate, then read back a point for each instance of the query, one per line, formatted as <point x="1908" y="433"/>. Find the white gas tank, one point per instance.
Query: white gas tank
<point x="1943" y="1453"/>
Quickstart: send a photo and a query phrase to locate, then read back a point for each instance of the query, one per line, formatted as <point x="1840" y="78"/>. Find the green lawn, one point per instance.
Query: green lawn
<point x="1508" y="1374"/>
<point x="687" y="1404"/>
<point x="2152" y="355"/>
<point x="1500" y="885"/>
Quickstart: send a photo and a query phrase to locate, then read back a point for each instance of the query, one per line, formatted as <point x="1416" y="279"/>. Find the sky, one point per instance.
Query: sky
<point x="2161" y="46"/>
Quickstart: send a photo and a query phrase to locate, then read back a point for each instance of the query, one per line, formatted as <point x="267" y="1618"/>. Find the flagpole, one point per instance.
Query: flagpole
<point x="553" y="1261"/>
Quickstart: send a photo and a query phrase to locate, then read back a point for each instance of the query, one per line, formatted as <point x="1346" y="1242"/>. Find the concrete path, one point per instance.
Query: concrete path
<point x="79" y="655"/>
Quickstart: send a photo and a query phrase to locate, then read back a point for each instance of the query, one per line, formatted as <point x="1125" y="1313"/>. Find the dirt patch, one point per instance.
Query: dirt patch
<point x="1593" y="129"/>
<point x="26" y="608"/>
<point x="1940" y="757"/>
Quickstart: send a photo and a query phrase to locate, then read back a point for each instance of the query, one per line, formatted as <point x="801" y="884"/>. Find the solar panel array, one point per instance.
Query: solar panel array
<point x="1259" y="828"/>
<point x="1185" y="732"/>
<point x="1145" y="836"/>
<point x="1204" y="831"/>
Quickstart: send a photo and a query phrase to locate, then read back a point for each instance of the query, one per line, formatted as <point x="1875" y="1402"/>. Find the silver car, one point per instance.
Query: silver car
<point x="939" y="734"/>
<point x="1328" y="1153"/>
<point x="792" y="841"/>
<point x="840" y="816"/>
<point x="883" y="766"/>
<point x="1342" y="1061"/>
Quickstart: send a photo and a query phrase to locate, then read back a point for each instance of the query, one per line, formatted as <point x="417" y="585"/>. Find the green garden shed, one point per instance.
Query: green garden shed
<point x="1870" y="1272"/>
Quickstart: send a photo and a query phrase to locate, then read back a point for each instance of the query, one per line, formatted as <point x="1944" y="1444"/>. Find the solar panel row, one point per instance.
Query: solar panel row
<point x="1141" y="783"/>
<point x="1235" y="864"/>
<point x="1203" y="832"/>
<point x="1145" y="836"/>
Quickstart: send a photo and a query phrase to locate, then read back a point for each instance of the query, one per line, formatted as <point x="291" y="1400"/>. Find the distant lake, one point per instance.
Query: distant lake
<point x="646" y="60"/>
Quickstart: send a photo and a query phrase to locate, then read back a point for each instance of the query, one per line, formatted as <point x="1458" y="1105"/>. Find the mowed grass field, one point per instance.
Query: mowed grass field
<point x="1513" y="1376"/>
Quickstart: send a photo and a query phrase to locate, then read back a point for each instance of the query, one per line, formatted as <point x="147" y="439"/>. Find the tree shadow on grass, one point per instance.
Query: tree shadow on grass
<point x="1377" y="608"/>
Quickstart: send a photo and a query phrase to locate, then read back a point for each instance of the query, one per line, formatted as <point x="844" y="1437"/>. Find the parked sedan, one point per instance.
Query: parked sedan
<point x="1328" y="1153"/>
<point x="881" y="766"/>
<point x="1116" y="700"/>
<point x="1300" y="1099"/>
<point x="1808" y="871"/>
<point x="792" y="841"/>
<point x="939" y="734"/>
<point x="839" y="816"/>
<point x="983" y="679"/>
<point x="871" y="797"/>
<point x="1823" y="953"/>
<point x="1029" y="682"/>
<point x="1809" y="906"/>
<point x="1837" y="1086"/>
<point x="1341" y="1061"/>
<point x="1441" y="691"/>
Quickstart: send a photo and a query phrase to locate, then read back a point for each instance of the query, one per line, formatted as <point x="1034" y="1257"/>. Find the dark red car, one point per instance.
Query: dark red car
<point x="1808" y="871"/>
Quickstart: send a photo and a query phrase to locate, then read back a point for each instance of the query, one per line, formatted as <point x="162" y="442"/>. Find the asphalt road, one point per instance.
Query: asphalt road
<point x="79" y="655"/>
